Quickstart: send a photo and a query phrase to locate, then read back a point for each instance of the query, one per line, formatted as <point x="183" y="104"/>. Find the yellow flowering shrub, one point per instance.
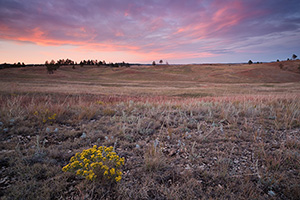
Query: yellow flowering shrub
<point x="97" y="163"/>
<point x="46" y="116"/>
<point x="100" y="103"/>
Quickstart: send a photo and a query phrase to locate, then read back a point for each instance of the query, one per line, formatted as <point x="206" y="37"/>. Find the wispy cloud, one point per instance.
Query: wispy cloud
<point x="170" y="29"/>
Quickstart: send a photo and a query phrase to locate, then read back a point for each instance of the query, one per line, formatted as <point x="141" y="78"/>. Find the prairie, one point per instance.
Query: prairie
<point x="212" y="131"/>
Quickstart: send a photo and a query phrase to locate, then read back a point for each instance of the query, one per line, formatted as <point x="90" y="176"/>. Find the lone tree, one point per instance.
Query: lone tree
<point x="161" y="62"/>
<point x="51" y="67"/>
<point x="250" y="62"/>
<point x="294" y="56"/>
<point x="153" y="63"/>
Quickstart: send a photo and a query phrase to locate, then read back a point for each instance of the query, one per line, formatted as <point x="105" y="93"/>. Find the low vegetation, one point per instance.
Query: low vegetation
<point x="151" y="132"/>
<point x="231" y="147"/>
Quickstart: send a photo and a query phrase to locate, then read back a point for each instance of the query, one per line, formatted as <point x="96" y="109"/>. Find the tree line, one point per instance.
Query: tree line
<point x="52" y="65"/>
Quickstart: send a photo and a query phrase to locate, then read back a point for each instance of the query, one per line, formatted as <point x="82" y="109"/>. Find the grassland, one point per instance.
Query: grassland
<point x="186" y="132"/>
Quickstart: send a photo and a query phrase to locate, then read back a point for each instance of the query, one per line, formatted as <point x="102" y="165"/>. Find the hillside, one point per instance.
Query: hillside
<point x="166" y="80"/>
<point x="183" y="132"/>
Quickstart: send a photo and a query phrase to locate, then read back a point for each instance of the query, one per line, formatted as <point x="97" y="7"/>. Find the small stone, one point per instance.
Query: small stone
<point x="137" y="146"/>
<point x="188" y="135"/>
<point x="11" y="121"/>
<point x="188" y="167"/>
<point x="48" y="130"/>
<point x="156" y="143"/>
<point x="179" y="143"/>
<point x="221" y="129"/>
<point x="56" y="130"/>
<point x="106" y="138"/>
<point x="5" y="130"/>
<point x="83" y="135"/>
<point x="202" y="167"/>
<point x="271" y="193"/>
<point x="1" y="123"/>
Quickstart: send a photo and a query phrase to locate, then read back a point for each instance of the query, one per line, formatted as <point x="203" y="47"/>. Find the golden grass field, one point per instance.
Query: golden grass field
<point x="211" y="131"/>
<point x="179" y="80"/>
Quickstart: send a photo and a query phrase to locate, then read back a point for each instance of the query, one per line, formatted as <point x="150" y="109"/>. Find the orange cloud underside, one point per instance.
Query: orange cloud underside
<point x="39" y="37"/>
<point x="84" y="40"/>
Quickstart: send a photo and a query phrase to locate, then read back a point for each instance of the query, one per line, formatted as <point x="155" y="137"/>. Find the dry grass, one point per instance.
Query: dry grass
<point x="237" y="147"/>
<point x="185" y="140"/>
<point x="179" y="80"/>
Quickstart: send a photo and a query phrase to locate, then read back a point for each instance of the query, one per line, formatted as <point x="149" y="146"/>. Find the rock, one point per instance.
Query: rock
<point x="12" y="121"/>
<point x="83" y="135"/>
<point x="202" y="167"/>
<point x="5" y="130"/>
<point x="187" y="167"/>
<point x="271" y="193"/>
<point x="187" y="135"/>
<point x="137" y="146"/>
<point x="221" y="128"/>
<point x="156" y="143"/>
<point x="179" y="143"/>
<point x="47" y="130"/>
<point x="56" y="130"/>
<point x="1" y="123"/>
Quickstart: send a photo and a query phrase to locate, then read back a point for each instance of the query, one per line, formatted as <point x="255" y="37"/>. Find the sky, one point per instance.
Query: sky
<point x="142" y="31"/>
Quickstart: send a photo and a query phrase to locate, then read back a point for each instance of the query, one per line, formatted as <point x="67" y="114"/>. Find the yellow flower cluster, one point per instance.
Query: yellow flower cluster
<point x="46" y="116"/>
<point x="97" y="162"/>
<point x="100" y="102"/>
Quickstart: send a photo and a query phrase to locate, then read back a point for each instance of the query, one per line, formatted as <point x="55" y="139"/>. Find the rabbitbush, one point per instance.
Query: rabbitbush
<point x="46" y="116"/>
<point x="100" y="163"/>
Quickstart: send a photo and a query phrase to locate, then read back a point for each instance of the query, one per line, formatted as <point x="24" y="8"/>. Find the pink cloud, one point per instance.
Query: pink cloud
<point x="169" y="28"/>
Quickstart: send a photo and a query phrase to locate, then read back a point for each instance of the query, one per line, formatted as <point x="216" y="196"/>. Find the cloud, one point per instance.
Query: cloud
<point x="165" y="28"/>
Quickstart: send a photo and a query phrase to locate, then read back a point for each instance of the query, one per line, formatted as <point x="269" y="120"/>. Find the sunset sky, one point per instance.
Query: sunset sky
<point x="177" y="31"/>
